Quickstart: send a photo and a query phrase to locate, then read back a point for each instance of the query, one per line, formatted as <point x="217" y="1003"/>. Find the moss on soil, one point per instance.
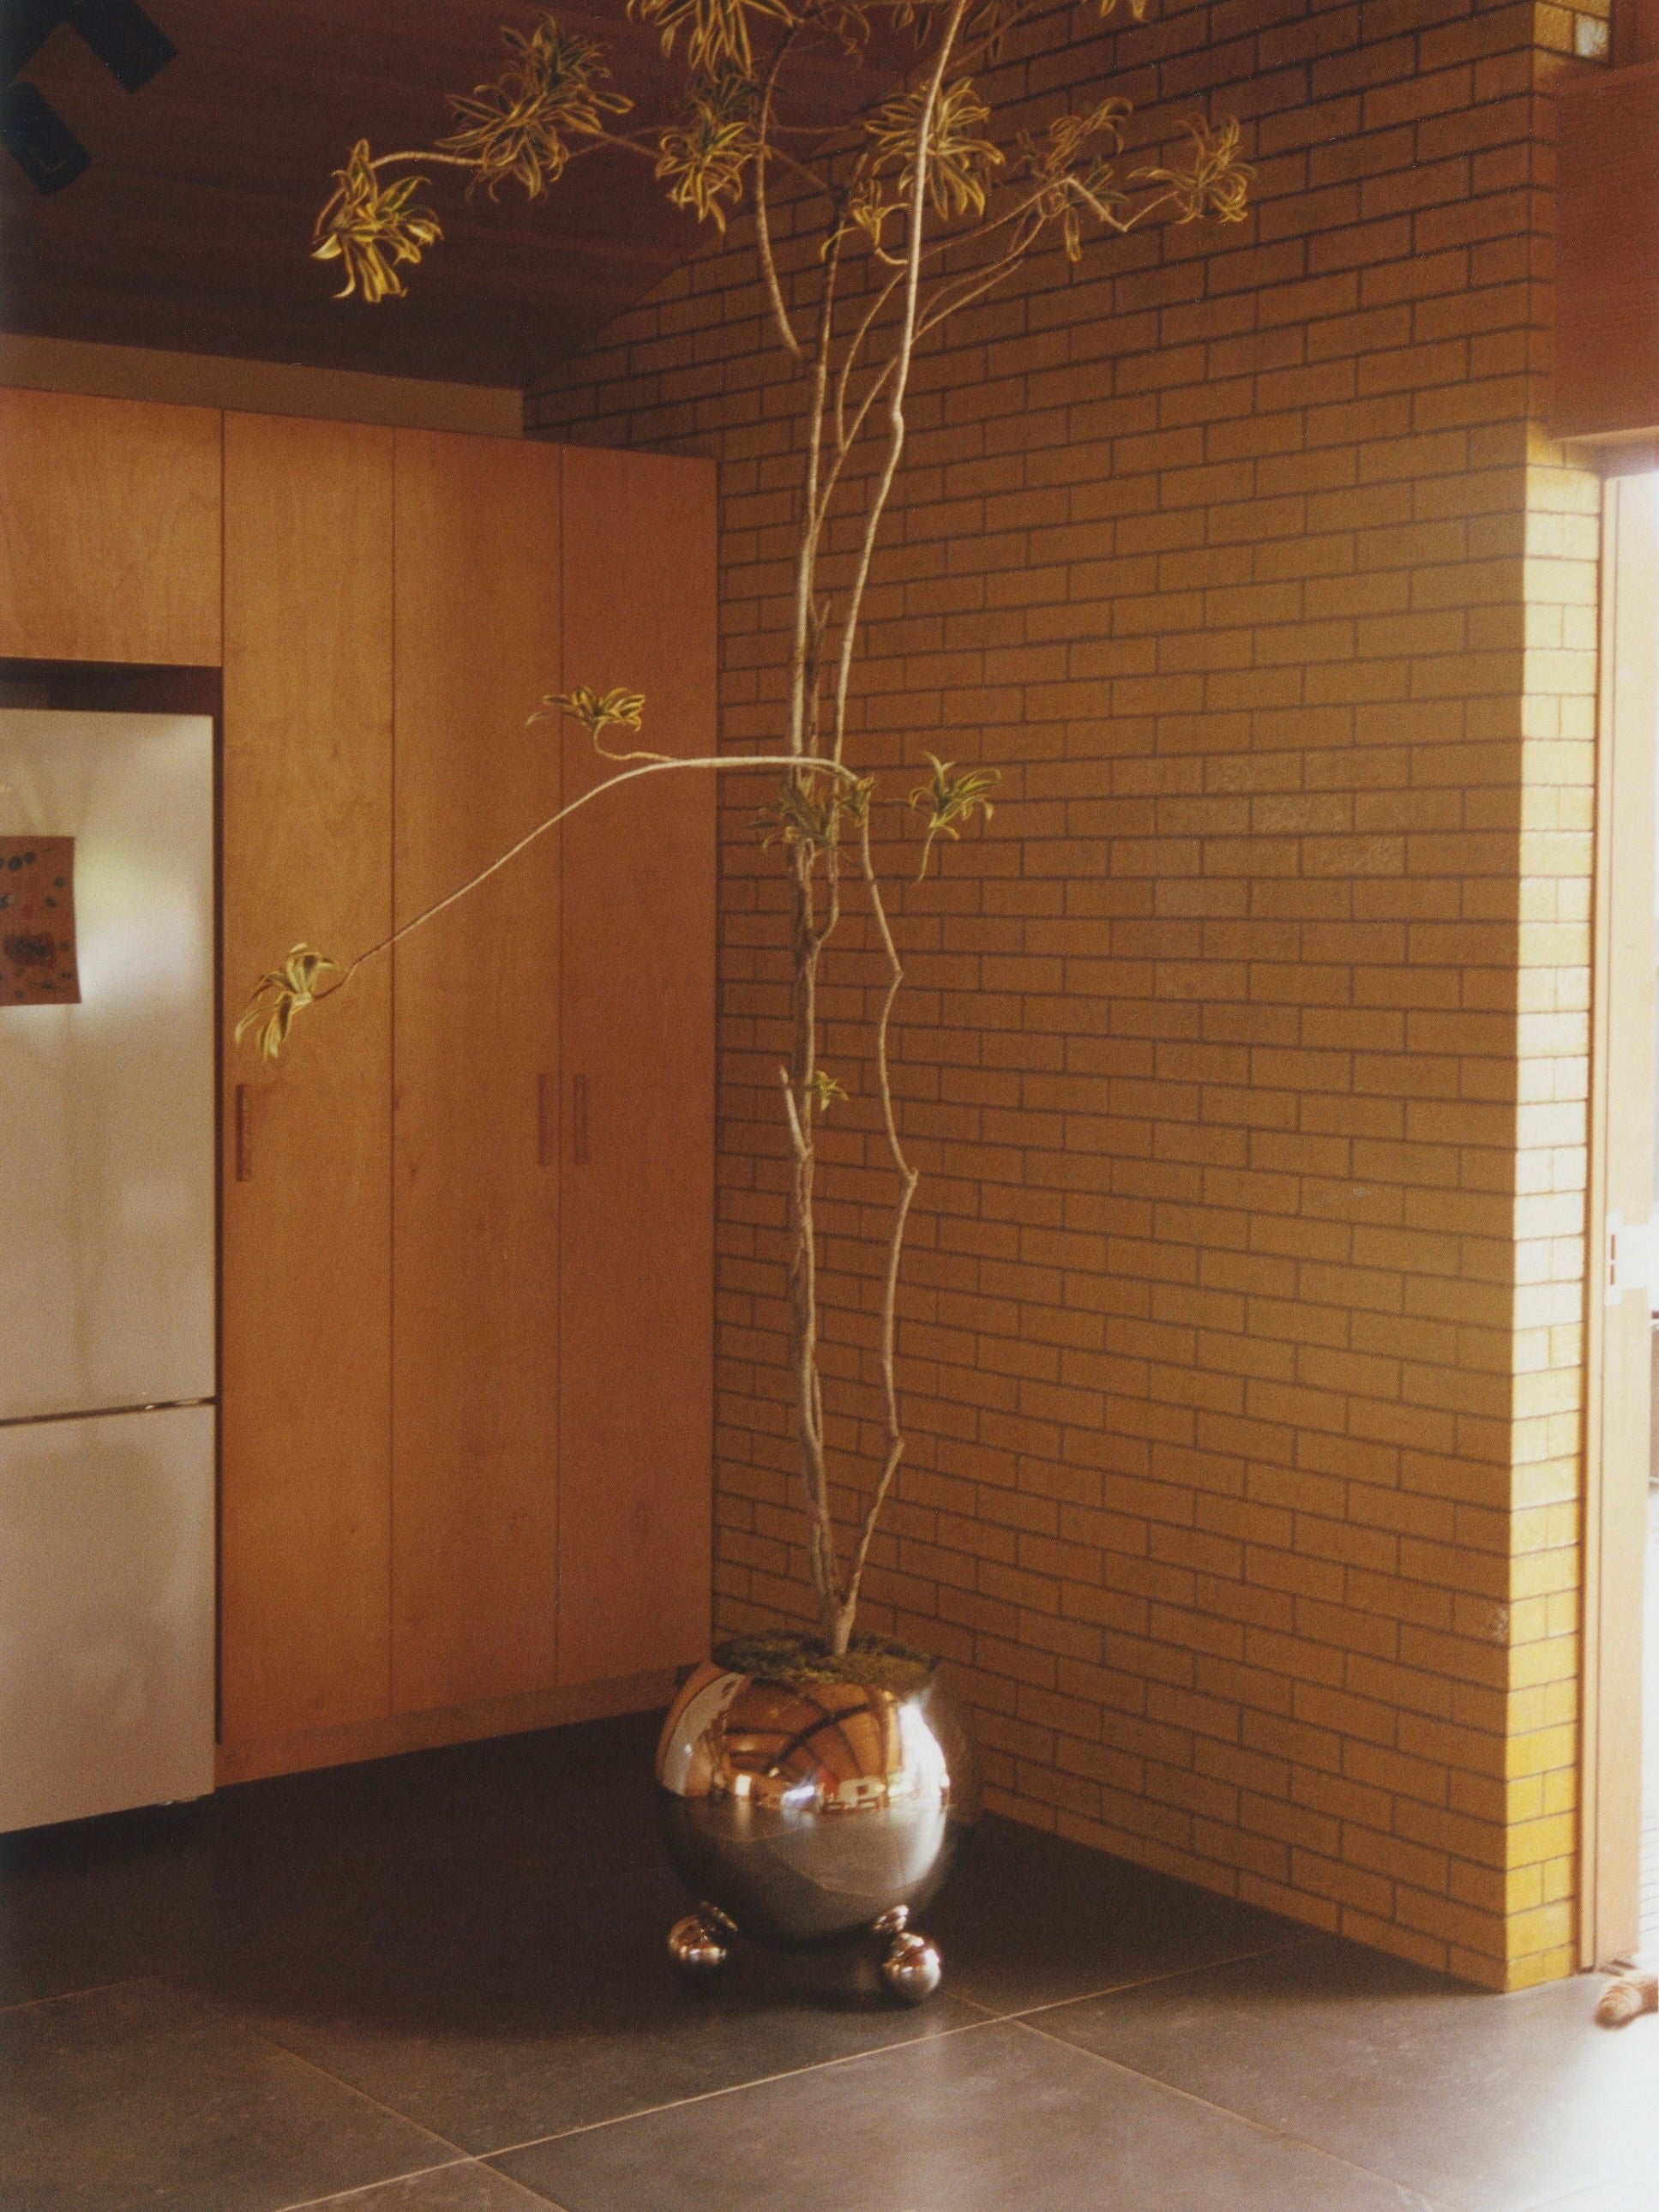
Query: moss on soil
<point x="801" y="1661"/>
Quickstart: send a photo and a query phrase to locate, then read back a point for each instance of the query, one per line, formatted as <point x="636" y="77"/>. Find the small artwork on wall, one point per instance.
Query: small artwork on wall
<point x="37" y="922"/>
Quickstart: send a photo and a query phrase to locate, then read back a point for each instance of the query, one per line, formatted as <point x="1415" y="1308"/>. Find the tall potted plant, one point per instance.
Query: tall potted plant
<point x="899" y="221"/>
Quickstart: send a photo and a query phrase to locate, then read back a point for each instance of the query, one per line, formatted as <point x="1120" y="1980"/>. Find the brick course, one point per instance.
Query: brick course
<point x="1245" y="1054"/>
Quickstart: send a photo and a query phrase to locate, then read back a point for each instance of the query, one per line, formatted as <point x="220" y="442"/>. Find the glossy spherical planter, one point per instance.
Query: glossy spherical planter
<point x="816" y="1814"/>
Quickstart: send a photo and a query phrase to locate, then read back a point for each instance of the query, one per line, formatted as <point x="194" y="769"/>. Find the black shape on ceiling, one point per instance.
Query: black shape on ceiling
<point x="25" y="25"/>
<point x="123" y="37"/>
<point x="38" y="140"/>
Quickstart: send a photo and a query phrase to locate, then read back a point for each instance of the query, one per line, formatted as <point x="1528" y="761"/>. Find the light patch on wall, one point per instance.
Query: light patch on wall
<point x="37" y="922"/>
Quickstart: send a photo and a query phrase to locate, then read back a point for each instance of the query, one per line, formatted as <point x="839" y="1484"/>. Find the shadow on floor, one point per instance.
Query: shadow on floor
<point x="445" y="1974"/>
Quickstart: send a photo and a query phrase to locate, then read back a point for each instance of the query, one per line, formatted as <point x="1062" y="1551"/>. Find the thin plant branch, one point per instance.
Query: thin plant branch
<point x="782" y="320"/>
<point x="656" y="764"/>
<point x="907" y="1179"/>
<point x="877" y="500"/>
<point x="971" y="210"/>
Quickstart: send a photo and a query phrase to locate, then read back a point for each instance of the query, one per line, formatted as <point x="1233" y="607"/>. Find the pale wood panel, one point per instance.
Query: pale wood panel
<point x="475" y="1480"/>
<point x="109" y="530"/>
<point x="637" y="1354"/>
<point x="425" y="1731"/>
<point x="1620" y="1334"/>
<point x="306" y="1361"/>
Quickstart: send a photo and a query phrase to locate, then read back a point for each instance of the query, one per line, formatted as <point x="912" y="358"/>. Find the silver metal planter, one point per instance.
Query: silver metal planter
<point x="814" y="1815"/>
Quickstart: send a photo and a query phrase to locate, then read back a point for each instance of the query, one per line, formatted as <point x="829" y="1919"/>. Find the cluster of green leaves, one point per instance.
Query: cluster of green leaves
<point x="812" y="803"/>
<point x="554" y="98"/>
<point x="619" y="708"/>
<point x="369" y="227"/>
<point x="717" y="36"/>
<point x="1071" y="165"/>
<point x="1217" y="182"/>
<point x="960" y="159"/>
<point x="280" y="994"/>
<point x="704" y="158"/>
<point x="949" y="796"/>
<point x="519" y="124"/>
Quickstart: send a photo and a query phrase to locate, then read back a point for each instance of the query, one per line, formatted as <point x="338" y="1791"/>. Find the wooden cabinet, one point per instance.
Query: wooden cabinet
<point x="636" y="1350"/>
<point x="476" y="1214"/>
<point x="467" y="1280"/>
<point x="109" y="530"/>
<point x="305" y="1364"/>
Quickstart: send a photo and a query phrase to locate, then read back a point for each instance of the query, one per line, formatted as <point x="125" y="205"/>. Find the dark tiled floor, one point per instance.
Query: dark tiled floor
<point x="438" y="1984"/>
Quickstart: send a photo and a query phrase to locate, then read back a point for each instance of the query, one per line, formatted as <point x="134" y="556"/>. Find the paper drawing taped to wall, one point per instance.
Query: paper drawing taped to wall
<point x="37" y="922"/>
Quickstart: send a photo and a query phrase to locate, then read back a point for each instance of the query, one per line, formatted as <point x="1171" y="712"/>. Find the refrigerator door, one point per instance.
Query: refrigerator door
<point x="106" y="1613"/>
<point x="107" y="1108"/>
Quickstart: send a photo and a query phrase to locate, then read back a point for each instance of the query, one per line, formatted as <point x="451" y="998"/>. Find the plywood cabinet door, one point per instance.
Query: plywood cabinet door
<point x="474" y="1483"/>
<point x="109" y="530"/>
<point x="637" y="1059"/>
<point x="306" y="1312"/>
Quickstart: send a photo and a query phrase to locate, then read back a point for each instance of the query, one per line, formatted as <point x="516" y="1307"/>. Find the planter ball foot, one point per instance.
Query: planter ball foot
<point x="912" y="1968"/>
<point x="697" y="1944"/>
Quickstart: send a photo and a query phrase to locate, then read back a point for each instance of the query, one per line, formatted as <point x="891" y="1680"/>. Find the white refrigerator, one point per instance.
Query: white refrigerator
<point x="107" y="1348"/>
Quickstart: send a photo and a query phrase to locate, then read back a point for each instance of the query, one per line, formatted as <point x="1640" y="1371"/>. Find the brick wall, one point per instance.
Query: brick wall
<point x="1245" y="1055"/>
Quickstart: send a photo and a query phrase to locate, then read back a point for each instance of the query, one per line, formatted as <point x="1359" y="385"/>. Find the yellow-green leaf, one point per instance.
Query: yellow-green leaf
<point x="949" y="796"/>
<point x="705" y="155"/>
<point x="516" y="126"/>
<point x="618" y="709"/>
<point x="960" y="157"/>
<point x="279" y="995"/>
<point x="1215" y="181"/>
<point x="717" y="32"/>
<point x="369" y="227"/>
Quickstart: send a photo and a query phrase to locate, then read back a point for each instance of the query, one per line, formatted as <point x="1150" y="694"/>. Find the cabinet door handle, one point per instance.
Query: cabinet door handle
<point x="547" y="1152"/>
<point x="244" y="1134"/>
<point x="579" y="1119"/>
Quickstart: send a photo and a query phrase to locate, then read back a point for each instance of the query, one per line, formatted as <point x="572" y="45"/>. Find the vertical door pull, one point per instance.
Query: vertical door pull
<point x="579" y="1119"/>
<point x="244" y="1134"/>
<point x="547" y="1152"/>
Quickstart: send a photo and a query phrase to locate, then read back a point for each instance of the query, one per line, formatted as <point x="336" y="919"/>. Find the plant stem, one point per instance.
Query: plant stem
<point x="655" y="767"/>
<point x="902" y="356"/>
<point x="908" y="1178"/>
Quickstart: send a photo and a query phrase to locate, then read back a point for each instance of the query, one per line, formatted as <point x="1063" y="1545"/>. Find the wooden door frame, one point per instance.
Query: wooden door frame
<point x="1617" y="1327"/>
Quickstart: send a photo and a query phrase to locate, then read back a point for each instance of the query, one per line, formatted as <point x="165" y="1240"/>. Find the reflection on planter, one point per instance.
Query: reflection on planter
<point x="814" y="1815"/>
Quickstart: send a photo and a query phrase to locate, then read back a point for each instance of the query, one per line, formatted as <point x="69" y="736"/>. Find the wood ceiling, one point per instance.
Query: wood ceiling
<point x="191" y="227"/>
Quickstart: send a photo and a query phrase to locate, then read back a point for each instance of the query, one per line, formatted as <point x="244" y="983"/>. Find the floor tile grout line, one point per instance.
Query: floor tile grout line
<point x="92" y="1990"/>
<point x="1227" y="2111"/>
<point x="420" y="2174"/>
<point x="259" y="2034"/>
<point x="385" y="2181"/>
<point x="1150" y="1981"/>
<point x="734" y="2088"/>
<point x="263" y="2035"/>
<point x="533" y="2196"/>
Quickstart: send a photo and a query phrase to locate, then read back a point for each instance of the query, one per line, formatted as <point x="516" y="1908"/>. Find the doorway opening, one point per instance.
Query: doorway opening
<point x="1619" y="1868"/>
